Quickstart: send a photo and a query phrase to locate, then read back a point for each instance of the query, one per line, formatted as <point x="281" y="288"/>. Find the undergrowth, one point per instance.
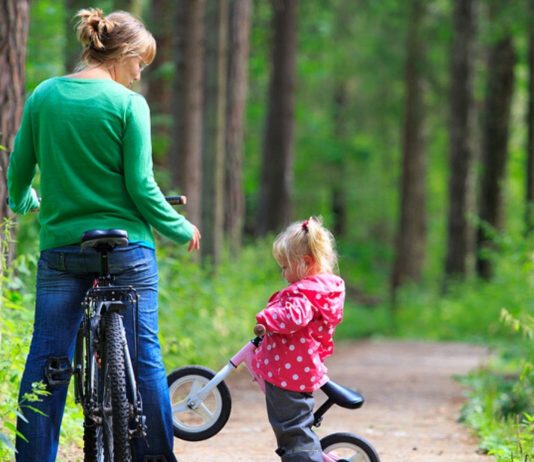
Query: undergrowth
<point x="206" y="315"/>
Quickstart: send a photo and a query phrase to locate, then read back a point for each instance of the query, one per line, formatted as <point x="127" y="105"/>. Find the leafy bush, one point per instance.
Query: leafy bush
<point x="205" y="316"/>
<point x="15" y="324"/>
<point x="17" y="298"/>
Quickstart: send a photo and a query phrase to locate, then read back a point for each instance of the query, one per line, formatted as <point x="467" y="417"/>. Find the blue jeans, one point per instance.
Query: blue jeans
<point x="63" y="277"/>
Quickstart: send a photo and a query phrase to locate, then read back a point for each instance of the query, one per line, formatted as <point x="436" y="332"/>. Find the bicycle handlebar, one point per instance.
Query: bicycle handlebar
<point x="259" y="330"/>
<point x="176" y="200"/>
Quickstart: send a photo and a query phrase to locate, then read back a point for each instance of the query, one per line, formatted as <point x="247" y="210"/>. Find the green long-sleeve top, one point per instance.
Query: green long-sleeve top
<point x="91" y="141"/>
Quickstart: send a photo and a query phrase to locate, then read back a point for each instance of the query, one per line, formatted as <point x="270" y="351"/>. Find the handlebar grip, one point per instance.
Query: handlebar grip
<point x="176" y="200"/>
<point x="259" y="330"/>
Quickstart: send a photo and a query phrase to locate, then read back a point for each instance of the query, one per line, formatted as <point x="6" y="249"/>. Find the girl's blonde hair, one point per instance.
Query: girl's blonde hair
<point x="308" y="237"/>
<point x="109" y="39"/>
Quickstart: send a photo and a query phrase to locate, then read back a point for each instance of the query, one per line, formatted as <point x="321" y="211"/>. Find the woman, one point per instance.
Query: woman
<point x="89" y="134"/>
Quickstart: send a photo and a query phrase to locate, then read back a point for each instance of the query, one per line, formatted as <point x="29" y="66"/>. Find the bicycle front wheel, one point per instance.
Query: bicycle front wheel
<point x="347" y="447"/>
<point x="197" y="418"/>
<point x="116" y="409"/>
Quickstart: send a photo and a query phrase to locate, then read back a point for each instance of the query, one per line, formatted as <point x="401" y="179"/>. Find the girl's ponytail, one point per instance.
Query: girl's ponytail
<point x="321" y="243"/>
<point x="306" y="238"/>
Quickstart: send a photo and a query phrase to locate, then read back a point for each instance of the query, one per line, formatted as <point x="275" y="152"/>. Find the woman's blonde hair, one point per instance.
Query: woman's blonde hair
<point x="308" y="237"/>
<point x="109" y="39"/>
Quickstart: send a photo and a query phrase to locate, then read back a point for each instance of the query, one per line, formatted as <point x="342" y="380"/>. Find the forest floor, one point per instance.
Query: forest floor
<point x="410" y="414"/>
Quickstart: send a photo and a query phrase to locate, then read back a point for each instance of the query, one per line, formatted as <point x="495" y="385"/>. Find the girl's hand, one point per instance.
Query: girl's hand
<point x="260" y="330"/>
<point x="194" y="243"/>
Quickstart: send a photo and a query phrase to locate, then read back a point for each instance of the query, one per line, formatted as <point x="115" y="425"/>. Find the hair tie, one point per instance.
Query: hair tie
<point x="305" y="225"/>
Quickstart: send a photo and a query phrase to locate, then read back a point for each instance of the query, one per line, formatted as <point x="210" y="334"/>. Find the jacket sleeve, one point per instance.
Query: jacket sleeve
<point x="288" y="314"/>
<point x="22" y="167"/>
<point x="139" y="176"/>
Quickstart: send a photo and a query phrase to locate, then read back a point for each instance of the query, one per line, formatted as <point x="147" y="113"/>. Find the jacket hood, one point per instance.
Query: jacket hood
<point x="326" y="292"/>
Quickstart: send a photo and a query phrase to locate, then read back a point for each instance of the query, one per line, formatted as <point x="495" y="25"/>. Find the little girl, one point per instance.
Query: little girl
<point x="300" y="321"/>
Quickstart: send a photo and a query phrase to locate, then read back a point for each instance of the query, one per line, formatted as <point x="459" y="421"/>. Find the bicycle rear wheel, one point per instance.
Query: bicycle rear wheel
<point x="108" y="439"/>
<point x="115" y="389"/>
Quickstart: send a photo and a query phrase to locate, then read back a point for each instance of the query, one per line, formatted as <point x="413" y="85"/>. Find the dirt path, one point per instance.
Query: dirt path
<point x="412" y="404"/>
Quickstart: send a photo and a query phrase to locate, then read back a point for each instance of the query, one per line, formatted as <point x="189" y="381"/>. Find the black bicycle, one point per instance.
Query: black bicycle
<point x="104" y="369"/>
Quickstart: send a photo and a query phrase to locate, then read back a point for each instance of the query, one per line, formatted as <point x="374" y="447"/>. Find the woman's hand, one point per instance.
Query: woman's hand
<point x="194" y="243"/>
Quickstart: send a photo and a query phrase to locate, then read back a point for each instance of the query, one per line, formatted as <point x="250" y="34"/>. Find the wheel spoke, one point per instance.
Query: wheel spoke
<point x="180" y="407"/>
<point x="204" y="412"/>
<point x="195" y="387"/>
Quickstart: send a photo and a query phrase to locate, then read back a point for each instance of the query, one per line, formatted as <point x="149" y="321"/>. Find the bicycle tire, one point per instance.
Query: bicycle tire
<point x="347" y="446"/>
<point x="208" y="419"/>
<point x="115" y="388"/>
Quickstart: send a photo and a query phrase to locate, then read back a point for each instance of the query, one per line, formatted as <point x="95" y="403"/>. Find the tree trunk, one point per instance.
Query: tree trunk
<point x="158" y="76"/>
<point x="276" y="189"/>
<point x="240" y="14"/>
<point x="461" y="139"/>
<point x="499" y="91"/>
<point x="339" y="190"/>
<point x="213" y="200"/>
<point x="14" y="21"/>
<point x="411" y="237"/>
<point x="529" y="190"/>
<point x="73" y="48"/>
<point x="185" y="157"/>
<point x="132" y="6"/>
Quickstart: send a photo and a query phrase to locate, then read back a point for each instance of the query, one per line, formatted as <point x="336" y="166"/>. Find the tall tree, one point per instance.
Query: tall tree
<point x="72" y="46"/>
<point x="185" y="157"/>
<point x="340" y="132"/>
<point x="159" y="75"/>
<point x="14" y="22"/>
<point x="343" y="123"/>
<point x="217" y="20"/>
<point x="240" y="16"/>
<point x="497" y="109"/>
<point x="529" y="189"/>
<point x="132" y="6"/>
<point x="411" y="237"/>
<point x="276" y="188"/>
<point x="461" y="140"/>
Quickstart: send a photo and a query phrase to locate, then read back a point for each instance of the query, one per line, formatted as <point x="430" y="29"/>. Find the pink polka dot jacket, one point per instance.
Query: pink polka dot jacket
<point x="300" y="322"/>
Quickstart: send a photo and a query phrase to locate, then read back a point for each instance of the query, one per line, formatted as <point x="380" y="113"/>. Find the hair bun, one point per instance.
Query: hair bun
<point x="93" y="28"/>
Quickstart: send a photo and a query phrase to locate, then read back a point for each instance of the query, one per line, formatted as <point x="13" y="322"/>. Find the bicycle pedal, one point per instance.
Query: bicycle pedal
<point x="58" y="371"/>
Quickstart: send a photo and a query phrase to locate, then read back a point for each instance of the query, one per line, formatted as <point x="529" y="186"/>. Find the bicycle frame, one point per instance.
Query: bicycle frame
<point x="244" y="356"/>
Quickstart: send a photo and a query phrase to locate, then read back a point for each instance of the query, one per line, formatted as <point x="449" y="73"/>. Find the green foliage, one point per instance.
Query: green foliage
<point x="14" y="341"/>
<point x="17" y="299"/>
<point x="501" y="400"/>
<point x="204" y="316"/>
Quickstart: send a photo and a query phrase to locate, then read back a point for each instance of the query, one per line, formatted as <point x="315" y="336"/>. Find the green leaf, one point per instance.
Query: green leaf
<point x="14" y="429"/>
<point x="4" y="439"/>
<point x="34" y="409"/>
<point x="21" y="416"/>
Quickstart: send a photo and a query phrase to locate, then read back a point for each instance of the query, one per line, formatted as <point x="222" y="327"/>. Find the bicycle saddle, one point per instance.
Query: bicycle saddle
<point x="104" y="238"/>
<point x="342" y="396"/>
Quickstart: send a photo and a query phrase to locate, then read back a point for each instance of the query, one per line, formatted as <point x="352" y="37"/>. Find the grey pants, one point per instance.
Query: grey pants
<point x="291" y="416"/>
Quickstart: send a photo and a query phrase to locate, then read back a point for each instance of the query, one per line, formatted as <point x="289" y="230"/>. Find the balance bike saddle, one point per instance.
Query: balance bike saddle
<point x="343" y="396"/>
